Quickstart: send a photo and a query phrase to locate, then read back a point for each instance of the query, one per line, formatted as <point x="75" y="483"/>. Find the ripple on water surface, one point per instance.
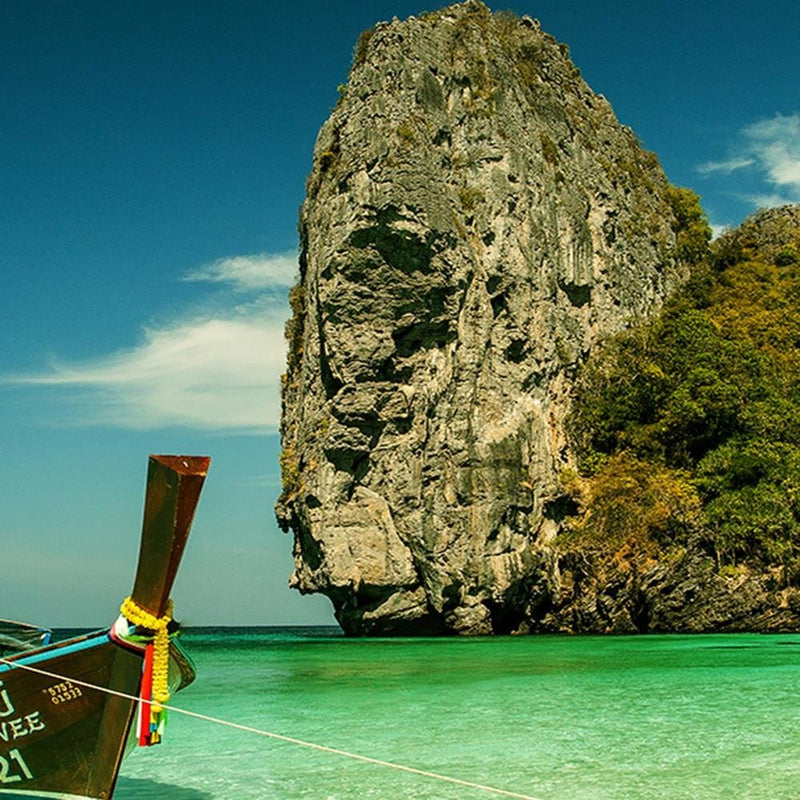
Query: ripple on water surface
<point x="556" y="718"/>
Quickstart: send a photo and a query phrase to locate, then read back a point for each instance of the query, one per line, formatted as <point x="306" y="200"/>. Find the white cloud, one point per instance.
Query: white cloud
<point x="247" y="273"/>
<point x="208" y="370"/>
<point x="770" y="151"/>
<point x="776" y="145"/>
<point x="770" y="199"/>
<point x="718" y="230"/>
<point x="731" y="165"/>
<point x="208" y="374"/>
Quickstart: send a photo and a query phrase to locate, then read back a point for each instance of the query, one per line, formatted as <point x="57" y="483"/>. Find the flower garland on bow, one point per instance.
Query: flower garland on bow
<point x="155" y="677"/>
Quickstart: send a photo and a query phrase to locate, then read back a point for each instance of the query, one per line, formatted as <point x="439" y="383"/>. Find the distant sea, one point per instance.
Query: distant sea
<point x="552" y="717"/>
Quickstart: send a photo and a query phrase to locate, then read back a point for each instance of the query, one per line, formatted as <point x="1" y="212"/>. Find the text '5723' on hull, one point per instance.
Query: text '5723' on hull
<point x="69" y="711"/>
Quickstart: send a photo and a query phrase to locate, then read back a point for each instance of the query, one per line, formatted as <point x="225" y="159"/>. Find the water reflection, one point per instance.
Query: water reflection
<point x="145" y="789"/>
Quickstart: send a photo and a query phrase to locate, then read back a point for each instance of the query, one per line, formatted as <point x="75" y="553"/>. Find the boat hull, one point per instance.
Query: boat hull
<point x="59" y="738"/>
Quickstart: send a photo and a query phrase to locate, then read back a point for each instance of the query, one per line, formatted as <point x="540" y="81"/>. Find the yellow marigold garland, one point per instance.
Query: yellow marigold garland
<point x="139" y="617"/>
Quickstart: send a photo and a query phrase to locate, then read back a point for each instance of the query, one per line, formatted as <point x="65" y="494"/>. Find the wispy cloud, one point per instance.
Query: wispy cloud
<point x="207" y="370"/>
<point x="726" y="167"/>
<point x="246" y="273"/>
<point x="772" y="199"/>
<point x="769" y="150"/>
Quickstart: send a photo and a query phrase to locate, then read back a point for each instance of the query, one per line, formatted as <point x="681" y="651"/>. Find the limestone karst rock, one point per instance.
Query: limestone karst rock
<point x="475" y="221"/>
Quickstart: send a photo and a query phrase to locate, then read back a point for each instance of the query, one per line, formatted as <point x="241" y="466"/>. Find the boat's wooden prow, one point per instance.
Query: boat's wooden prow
<point x="173" y="489"/>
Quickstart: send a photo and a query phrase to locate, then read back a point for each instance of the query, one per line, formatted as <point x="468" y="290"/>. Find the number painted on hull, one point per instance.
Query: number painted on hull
<point x="63" y="692"/>
<point x="16" y="771"/>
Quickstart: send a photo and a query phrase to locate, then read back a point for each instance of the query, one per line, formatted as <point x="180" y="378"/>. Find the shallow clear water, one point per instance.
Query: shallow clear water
<point x="556" y="718"/>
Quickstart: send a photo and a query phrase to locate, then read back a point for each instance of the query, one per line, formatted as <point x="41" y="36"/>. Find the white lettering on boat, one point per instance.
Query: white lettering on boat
<point x="34" y="723"/>
<point x="21" y="726"/>
<point x="13" y="768"/>
<point x="13" y="729"/>
<point x="63" y="692"/>
<point x="9" y="708"/>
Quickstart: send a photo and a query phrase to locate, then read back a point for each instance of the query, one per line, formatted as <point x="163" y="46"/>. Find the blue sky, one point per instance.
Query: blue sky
<point x="154" y="156"/>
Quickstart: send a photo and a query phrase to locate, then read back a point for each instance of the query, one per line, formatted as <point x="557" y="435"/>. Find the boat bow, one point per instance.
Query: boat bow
<point x="60" y="737"/>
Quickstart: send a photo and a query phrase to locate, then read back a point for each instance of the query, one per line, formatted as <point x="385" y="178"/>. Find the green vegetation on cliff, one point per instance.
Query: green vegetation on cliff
<point x="687" y="429"/>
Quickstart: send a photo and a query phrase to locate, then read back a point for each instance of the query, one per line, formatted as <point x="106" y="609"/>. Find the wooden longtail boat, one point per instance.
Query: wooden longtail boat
<point x="16" y="636"/>
<point x="62" y="739"/>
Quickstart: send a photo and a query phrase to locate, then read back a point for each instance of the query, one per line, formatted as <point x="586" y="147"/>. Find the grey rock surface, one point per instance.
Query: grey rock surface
<point x="475" y="221"/>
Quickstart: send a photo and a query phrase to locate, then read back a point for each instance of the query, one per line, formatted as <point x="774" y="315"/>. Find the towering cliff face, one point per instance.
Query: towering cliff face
<point x="476" y="219"/>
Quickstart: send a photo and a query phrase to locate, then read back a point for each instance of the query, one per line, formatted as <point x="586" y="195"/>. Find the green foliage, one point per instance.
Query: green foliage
<point x="293" y="330"/>
<point x="327" y="160"/>
<point x="406" y="135"/>
<point x="291" y="482"/>
<point x="786" y="256"/>
<point x="752" y="491"/>
<point x="362" y="46"/>
<point x="635" y="507"/>
<point x="506" y="20"/>
<point x="692" y="232"/>
<point x="710" y="389"/>
<point x="549" y="149"/>
<point x="471" y="197"/>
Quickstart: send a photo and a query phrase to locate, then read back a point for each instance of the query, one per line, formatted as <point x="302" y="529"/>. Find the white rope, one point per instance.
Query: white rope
<point x="278" y="736"/>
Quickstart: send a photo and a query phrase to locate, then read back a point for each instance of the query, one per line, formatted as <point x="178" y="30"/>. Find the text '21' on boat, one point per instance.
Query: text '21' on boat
<point x="61" y="738"/>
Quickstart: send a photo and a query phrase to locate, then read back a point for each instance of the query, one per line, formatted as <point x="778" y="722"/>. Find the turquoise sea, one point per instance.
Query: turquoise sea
<point x="550" y="717"/>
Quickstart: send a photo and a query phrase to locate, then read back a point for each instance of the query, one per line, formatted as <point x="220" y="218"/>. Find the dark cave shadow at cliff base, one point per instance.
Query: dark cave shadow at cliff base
<point x="146" y="789"/>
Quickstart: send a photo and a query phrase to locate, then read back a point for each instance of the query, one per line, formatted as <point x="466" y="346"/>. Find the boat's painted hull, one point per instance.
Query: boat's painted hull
<point x="60" y="739"/>
<point x="56" y="736"/>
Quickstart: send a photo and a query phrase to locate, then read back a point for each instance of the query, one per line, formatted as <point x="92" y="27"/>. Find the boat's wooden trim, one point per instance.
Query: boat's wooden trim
<point x="40" y="652"/>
